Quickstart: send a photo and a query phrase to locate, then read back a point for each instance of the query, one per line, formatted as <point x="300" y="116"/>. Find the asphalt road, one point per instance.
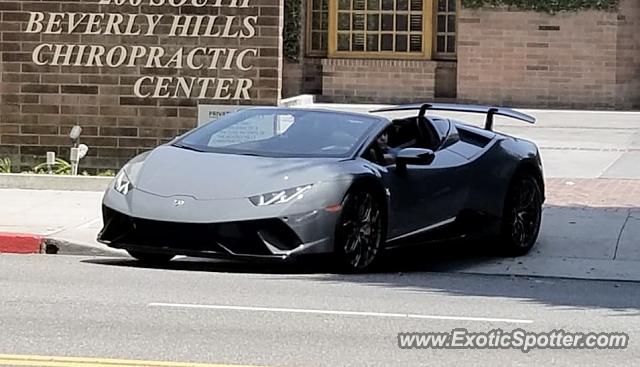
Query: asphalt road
<point x="271" y="315"/>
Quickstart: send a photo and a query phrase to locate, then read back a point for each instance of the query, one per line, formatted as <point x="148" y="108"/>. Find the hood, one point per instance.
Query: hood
<point x="171" y="171"/>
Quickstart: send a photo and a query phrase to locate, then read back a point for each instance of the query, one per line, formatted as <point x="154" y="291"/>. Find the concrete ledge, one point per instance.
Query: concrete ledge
<point x="297" y="101"/>
<point x="53" y="182"/>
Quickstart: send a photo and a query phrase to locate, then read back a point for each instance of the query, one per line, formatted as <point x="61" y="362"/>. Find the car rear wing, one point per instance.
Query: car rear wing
<point x="490" y="111"/>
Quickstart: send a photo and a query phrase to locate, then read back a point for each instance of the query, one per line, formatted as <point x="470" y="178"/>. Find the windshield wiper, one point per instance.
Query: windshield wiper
<point x="188" y="147"/>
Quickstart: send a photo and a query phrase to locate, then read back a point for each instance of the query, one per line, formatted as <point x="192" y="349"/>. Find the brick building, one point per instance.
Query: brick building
<point x="415" y="50"/>
<point x="135" y="73"/>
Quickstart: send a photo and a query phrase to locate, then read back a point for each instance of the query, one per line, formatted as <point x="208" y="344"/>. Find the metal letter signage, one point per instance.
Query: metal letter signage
<point x="217" y="68"/>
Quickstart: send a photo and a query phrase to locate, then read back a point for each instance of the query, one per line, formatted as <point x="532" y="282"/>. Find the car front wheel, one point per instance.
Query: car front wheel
<point x="360" y="232"/>
<point x="522" y="216"/>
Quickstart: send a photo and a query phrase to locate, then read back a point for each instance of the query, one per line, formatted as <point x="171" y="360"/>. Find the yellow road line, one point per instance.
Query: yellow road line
<point x="54" y="361"/>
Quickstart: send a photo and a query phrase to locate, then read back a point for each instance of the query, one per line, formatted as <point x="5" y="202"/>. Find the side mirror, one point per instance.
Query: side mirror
<point x="416" y="156"/>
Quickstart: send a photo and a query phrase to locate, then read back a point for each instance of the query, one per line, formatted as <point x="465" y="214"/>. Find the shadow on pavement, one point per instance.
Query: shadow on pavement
<point x="426" y="258"/>
<point x="419" y="269"/>
<point x="213" y="265"/>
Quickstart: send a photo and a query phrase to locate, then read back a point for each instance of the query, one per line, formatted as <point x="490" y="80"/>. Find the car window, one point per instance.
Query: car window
<point x="399" y="135"/>
<point x="282" y="132"/>
<point x="255" y="128"/>
<point x="403" y="134"/>
<point x="440" y="127"/>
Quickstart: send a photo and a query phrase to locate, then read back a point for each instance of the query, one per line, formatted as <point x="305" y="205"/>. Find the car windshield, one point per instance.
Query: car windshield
<point x="273" y="132"/>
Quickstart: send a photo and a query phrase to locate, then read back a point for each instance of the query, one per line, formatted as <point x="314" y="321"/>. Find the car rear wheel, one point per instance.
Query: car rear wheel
<point x="360" y="232"/>
<point x="522" y="216"/>
<point x="151" y="258"/>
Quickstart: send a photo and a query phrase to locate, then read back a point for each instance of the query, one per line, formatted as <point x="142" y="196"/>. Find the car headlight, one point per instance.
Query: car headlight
<point x="122" y="183"/>
<point x="280" y="197"/>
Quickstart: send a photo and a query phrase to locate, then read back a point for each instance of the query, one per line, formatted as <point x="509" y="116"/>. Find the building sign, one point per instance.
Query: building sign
<point x="132" y="73"/>
<point x="217" y="67"/>
<point x="261" y="127"/>
<point x="208" y="113"/>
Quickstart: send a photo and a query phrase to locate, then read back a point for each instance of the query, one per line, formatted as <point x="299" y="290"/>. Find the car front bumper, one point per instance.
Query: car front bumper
<point x="273" y="238"/>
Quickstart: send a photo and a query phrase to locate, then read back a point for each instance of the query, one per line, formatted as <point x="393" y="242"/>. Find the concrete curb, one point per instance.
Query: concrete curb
<point x="561" y="268"/>
<point x="21" y="243"/>
<point x="64" y="247"/>
<point x="53" y="182"/>
<point x="24" y="243"/>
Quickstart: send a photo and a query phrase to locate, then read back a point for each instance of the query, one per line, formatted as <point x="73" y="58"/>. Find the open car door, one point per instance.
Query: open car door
<point x="427" y="183"/>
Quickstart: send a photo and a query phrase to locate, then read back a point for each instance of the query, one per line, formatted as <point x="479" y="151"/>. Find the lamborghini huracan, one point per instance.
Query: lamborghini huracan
<point x="282" y="182"/>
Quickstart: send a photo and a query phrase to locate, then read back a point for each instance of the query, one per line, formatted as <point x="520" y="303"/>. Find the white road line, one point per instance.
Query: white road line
<point x="83" y="225"/>
<point x="88" y="224"/>
<point x="339" y="313"/>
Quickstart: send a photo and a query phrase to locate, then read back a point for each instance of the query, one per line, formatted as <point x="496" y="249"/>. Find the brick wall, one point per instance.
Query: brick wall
<point x="291" y="79"/>
<point x="312" y="76"/>
<point x="582" y="59"/>
<point x="446" y="80"/>
<point x="381" y="81"/>
<point x="628" y="54"/>
<point x="303" y="77"/>
<point x="40" y="104"/>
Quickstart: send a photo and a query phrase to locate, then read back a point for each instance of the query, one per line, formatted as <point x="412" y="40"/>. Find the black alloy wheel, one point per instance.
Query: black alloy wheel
<point x="522" y="216"/>
<point x="361" y="232"/>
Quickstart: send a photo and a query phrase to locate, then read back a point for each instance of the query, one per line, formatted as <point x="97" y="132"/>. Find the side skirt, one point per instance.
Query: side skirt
<point x="441" y="231"/>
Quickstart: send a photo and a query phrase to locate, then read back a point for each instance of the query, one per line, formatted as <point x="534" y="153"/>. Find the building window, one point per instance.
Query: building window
<point x="318" y="24"/>
<point x="382" y="28"/>
<point x="373" y="28"/>
<point x="446" y="28"/>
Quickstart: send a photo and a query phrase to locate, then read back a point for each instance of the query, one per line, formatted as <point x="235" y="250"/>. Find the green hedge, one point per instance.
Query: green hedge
<point x="291" y="31"/>
<point x="549" y="6"/>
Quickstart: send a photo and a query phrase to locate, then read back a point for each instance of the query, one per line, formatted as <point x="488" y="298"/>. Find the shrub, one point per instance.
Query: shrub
<point x="60" y="167"/>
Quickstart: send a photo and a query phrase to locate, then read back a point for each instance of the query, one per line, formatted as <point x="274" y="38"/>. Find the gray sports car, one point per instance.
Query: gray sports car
<point x="280" y="182"/>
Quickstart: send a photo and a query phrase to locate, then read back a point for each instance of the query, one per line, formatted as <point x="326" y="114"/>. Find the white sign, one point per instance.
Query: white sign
<point x="255" y="128"/>
<point x="211" y="112"/>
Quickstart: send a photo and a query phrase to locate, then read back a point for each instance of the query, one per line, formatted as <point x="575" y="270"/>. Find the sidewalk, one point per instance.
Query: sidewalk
<point x="73" y="217"/>
<point x="590" y="230"/>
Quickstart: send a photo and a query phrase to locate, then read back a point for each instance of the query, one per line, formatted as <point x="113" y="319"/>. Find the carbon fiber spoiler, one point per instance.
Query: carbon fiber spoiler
<point x="490" y="111"/>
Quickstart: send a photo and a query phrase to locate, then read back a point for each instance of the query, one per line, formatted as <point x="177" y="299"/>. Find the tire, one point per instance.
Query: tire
<point x="522" y="216"/>
<point x="151" y="258"/>
<point x="360" y="232"/>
